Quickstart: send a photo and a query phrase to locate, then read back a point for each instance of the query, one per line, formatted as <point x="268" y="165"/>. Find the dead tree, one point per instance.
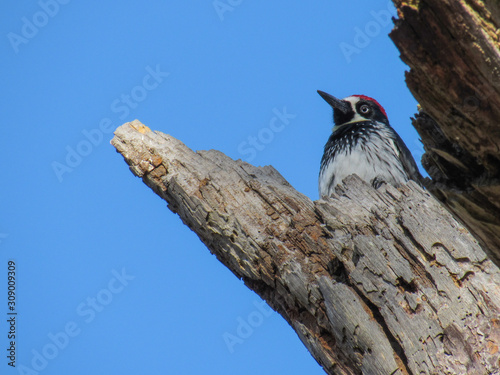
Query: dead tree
<point x="452" y="48"/>
<point x="380" y="281"/>
<point x="373" y="281"/>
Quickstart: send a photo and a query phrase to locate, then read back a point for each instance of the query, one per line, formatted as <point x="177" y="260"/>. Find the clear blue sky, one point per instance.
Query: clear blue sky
<point x="109" y="281"/>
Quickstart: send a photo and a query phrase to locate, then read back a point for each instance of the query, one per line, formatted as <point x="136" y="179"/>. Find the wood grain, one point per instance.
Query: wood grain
<point x="373" y="281"/>
<point x="453" y="50"/>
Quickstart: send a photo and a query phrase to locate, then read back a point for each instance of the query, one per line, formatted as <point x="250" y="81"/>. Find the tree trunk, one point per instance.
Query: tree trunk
<point x="373" y="281"/>
<point x="452" y="48"/>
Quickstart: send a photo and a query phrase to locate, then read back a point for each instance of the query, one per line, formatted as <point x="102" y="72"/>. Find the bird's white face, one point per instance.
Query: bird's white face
<point x="353" y="100"/>
<point x="354" y="108"/>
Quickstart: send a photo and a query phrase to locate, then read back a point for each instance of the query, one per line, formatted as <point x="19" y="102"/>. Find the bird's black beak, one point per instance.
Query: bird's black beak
<point x="341" y="105"/>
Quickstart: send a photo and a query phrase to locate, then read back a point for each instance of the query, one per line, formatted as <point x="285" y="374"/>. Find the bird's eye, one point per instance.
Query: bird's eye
<point x="364" y="109"/>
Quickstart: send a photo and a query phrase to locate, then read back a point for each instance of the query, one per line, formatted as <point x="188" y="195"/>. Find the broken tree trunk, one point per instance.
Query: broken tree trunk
<point x="452" y="48"/>
<point x="373" y="281"/>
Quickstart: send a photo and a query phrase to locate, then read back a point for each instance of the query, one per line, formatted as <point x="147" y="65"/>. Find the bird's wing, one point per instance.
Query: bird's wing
<point x="407" y="159"/>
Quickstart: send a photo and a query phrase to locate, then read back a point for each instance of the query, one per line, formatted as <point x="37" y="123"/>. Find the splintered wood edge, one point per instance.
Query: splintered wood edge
<point x="285" y="255"/>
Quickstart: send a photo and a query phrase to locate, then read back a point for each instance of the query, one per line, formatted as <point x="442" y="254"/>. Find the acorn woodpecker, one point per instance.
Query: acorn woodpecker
<point x="363" y="142"/>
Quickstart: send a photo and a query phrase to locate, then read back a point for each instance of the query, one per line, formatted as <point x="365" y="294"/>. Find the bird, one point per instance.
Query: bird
<point x="363" y="143"/>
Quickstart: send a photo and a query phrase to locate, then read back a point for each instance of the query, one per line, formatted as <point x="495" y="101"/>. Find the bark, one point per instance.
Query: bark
<point x="373" y="281"/>
<point x="452" y="48"/>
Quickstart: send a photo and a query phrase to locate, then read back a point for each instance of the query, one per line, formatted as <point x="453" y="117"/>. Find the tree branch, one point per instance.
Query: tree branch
<point x="452" y="48"/>
<point x="373" y="281"/>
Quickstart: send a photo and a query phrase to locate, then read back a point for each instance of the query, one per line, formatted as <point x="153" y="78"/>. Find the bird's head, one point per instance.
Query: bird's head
<point x="354" y="108"/>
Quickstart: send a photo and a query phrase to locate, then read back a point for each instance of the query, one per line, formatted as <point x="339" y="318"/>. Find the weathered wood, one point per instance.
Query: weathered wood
<point x="452" y="48"/>
<point x="373" y="281"/>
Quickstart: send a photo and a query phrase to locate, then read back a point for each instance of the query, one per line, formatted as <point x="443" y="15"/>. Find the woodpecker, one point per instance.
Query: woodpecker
<point x="363" y="142"/>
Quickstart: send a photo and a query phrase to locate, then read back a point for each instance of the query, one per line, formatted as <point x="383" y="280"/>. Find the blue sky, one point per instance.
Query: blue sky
<point x="108" y="280"/>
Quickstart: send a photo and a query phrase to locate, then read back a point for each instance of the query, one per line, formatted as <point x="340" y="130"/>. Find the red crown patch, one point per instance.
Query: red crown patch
<point x="364" y="97"/>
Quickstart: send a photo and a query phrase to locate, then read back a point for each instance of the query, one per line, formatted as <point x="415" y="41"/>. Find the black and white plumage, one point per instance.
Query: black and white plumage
<point x="363" y="143"/>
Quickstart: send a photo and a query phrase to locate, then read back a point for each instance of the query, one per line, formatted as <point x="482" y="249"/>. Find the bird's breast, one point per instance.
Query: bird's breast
<point x="364" y="150"/>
